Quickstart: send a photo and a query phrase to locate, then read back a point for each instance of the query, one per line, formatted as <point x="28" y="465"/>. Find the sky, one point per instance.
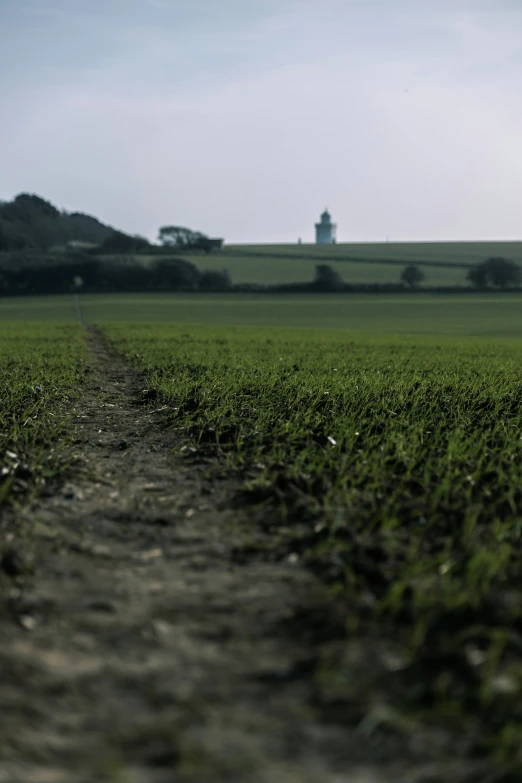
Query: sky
<point x="244" y="119"/>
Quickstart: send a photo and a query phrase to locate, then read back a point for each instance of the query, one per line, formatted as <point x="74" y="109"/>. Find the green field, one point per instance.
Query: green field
<point x="274" y="269"/>
<point x="454" y="253"/>
<point x="395" y="469"/>
<point x="443" y="263"/>
<point x="377" y="441"/>
<point x="492" y="315"/>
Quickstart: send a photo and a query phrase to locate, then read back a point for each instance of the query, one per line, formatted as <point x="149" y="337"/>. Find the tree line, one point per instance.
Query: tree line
<point x="494" y="272"/>
<point x="58" y="275"/>
<point x="30" y="223"/>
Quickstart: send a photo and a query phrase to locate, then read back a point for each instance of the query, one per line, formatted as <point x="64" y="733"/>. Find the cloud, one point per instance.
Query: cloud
<point x="244" y="119"/>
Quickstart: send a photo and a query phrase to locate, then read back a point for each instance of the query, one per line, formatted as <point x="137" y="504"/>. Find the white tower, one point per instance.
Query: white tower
<point x="325" y="230"/>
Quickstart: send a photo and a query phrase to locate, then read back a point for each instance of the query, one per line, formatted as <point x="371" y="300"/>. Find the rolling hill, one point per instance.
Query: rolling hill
<point x="29" y="222"/>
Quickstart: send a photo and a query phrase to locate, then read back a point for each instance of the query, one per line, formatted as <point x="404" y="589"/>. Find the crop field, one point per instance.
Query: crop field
<point x="393" y="470"/>
<point x="492" y="316"/>
<point x="472" y="315"/>
<point x="180" y="467"/>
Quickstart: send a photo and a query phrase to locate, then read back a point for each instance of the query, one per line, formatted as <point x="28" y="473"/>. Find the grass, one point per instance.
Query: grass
<point x="37" y="309"/>
<point x="493" y="316"/>
<point x="292" y="269"/>
<point x="394" y="467"/>
<point x="430" y="253"/>
<point x="385" y="456"/>
<point x="41" y="364"/>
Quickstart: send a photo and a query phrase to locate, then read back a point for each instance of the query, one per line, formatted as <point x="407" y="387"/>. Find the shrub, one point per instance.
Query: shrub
<point x="327" y="279"/>
<point x="413" y="276"/>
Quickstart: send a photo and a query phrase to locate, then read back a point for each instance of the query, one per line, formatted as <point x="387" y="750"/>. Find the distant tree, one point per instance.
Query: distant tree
<point x="19" y="242"/>
<point x="177" y="236"/>
<point x="327" y="279"/>
<point x="31" y="222"/>
<point x="208" y="245"/>
<point x="86" y="228"/>
<point x="118" y="242"/>
<point x="215" y="280"/>
<point x="28" y="206"/>
<point x="496" y="271"/>
<point x="502" y="272"/>
<point x="478" y="276"/>
<point x="413" y="276"/>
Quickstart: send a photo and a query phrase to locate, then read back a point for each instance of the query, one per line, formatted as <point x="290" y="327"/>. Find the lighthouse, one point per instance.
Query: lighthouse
<point x="325" y="230"/>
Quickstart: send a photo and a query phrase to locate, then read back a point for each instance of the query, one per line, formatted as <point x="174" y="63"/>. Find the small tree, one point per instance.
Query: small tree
<point x="327" y="279"/>
<point x="413" y="276"/>
<point x="478" y="276"/>
<point x="502" y="272"/>
<point x="177" y="236"/>
<point x="496" y="271"/>
<point x="208" y="245"/>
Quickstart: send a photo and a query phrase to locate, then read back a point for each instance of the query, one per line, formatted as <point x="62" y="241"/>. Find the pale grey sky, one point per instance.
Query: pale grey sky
<point x="245" y="118"/>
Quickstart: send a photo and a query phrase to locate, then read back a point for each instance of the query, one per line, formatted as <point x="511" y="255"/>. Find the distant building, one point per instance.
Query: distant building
<point x="325" y="230"/>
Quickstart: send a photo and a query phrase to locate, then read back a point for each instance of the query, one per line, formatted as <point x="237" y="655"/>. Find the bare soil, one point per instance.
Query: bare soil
<point x="137" y="647"/>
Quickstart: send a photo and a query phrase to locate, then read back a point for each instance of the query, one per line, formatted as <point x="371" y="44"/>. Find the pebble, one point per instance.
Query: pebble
<point x="27" y="622"/>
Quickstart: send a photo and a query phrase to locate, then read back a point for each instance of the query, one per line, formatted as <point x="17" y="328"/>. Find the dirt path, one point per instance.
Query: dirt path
<point x="139" y="649"/>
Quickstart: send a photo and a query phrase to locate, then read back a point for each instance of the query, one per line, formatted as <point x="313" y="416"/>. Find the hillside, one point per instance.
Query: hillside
<point x="32" y="223"/>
